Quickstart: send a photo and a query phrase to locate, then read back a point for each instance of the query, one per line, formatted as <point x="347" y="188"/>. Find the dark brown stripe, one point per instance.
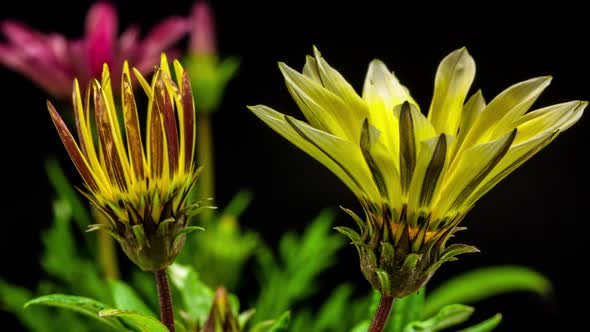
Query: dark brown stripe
<point x="366" y="142"/>
<point x="407" y="146"/>
<point x="433" y="170"/>
<point x="468" y="190"/>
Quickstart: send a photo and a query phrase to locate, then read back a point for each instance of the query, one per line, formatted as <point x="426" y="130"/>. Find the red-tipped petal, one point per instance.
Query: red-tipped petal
<point x="164" y="102"/>
<point x="132" y="129"/>
<point x="188" y="106"/>
<point x="107" y="141"/>
<point x="72" y="148"/>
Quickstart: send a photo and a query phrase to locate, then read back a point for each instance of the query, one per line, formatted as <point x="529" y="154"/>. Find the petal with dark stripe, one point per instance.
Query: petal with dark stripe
<point x="72" y="148"/>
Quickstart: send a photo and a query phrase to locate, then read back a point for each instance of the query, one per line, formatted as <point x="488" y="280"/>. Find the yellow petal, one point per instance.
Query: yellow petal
<point x="516" y="156"/>
<point x="549" y="119"/>
<point x="506" y="108"/>
<point x="471" y="112"/>
<point x="453" y="80"/>
<point x="342" y="157"/>
<point x="322" y="108"/>
<point x="464" y="177"/>
<point x="382" y="165"/>
<point x="382" y="86"/>
<point x="333" y="81"/>
<point x="428" y="174"/>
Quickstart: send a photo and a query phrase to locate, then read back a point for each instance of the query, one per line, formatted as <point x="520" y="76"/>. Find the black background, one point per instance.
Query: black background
<point x="536" y="217"/>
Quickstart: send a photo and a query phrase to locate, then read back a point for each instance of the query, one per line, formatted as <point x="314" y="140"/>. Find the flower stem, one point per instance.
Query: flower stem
<point x="382" y="314"/>
<point x="166" y="311"/>
<point x="206" y="184"/>
<point x="107" y="254"/>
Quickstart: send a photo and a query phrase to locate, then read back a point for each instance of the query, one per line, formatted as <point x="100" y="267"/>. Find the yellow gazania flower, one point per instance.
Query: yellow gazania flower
<point x="416" y="176"/>
<point x="141" y="188"/>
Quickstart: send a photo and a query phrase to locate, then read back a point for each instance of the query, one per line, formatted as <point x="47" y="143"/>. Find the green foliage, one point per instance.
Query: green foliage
<point x="220" y="252"/>
<point x="486" y="282"/>
<point x="196" y="296"/>
<point x="82" y="305"/>
<point x="293" y="275"/>
<point x="485" y="326"/>
<point x="61" y="258"/>
<point x="273" y="325"/>
<point x="143" y="322"/>
<point x="126" y="298"/>
<point x="339" y="312"/>
<point x="406" y="310"/>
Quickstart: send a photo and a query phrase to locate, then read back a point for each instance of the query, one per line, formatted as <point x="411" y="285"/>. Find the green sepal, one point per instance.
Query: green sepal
<point x="139" y="233"/>
<point x="185" y="232"/>
<point x="350" y="233"/>
<point x="450" y="254"/>
<point x="387" y="254"/>
<point x="105" y="228"/>
<point x="360" y="223"/>
<point x="383" y="281"/>
<point x="411" y="261"/>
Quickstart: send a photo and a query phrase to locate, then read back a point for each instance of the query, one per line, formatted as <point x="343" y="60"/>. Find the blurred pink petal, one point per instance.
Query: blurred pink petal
<point x="165" y="34"/>
<point x="101" y="36"/>
<point x="52" y="61"/>
<point x="202" y="29"/>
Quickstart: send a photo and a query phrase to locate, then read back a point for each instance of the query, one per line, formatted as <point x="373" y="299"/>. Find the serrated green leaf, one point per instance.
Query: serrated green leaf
<point x="485" y="326"/>
<point x="83" y="305"/>
<point x="143" y="322"/>
<point x="334" y="309"/>
<point x="127" y="299"/>
<point x="276" y="325"/>
<point x="485" y="282"/>
<point x="406" y="310"/>
<point x="448" y="316"/>
<point x="292" y="276"/>
<point x="196" y="296"/>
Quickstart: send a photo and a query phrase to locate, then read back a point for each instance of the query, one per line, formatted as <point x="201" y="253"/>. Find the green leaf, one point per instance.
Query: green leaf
<point x="483" y="283"/>
<point x="448" y="316"/>
<point x="65" y="191"/>
<point x="276" y="325"/>
<point x="292" y="276"/>
<point x="127" y="299"/>
<point x="61" y="257"/>
<point x="405" y="310"/>
<point x="13" y="298"/>
<point x="83" y="305"/>
<point x="196" y="296"/>
<point x="485" y="326"/>
<point x="361" y="327"/>
<point x="244" y="318"/>
<point x="238" y="204"/>
<point x="143" y="322"/>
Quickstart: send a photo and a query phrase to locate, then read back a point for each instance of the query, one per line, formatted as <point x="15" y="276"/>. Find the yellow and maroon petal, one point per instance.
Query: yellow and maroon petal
<point x="72" y="148"/>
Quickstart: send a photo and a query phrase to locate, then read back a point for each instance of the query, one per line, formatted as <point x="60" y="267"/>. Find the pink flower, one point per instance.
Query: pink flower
<point x="52" y="61"/>
<point x="202" y="30"/>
